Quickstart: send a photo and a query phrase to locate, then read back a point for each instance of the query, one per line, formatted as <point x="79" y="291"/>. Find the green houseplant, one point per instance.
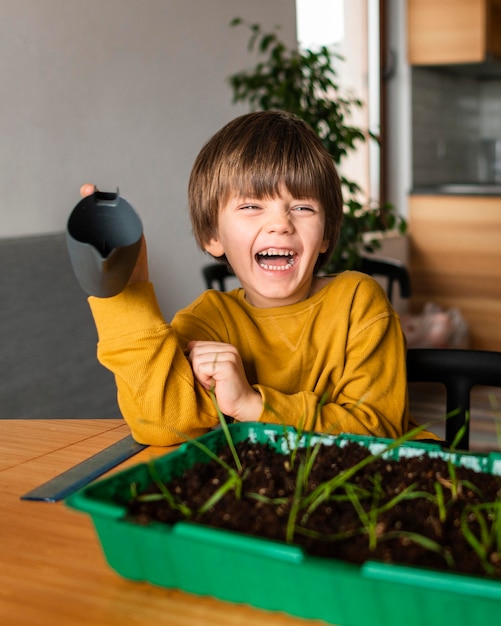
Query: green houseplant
<point x="305" y="82"/>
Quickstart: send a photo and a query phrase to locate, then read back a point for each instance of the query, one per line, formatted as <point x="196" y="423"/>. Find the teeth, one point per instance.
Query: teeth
<point x="274" y="252"/>
<point x="277" y="268"/>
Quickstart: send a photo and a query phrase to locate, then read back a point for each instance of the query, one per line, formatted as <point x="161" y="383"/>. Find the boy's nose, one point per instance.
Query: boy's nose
<point x="280" y="222"/>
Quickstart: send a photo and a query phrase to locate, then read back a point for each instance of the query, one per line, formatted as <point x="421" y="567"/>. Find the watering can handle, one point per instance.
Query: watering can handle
<point x="108" y="198"/>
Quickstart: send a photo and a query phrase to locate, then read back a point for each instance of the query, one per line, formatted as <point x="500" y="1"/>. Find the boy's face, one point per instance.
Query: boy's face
<point x="272" y="245"/>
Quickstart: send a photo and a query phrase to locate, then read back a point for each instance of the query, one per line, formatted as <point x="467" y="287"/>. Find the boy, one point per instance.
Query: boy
<point x="322" y="352"/>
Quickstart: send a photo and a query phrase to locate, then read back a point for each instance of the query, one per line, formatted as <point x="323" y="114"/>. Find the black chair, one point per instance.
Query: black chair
<point x="394" y="272"/>
<point x="216" y="275"/>
<point x="458" y="371"/>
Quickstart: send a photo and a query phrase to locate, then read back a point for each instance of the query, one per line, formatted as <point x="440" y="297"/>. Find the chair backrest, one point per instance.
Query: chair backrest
<point x="48" y="365"/>
<point x="459" y="371"/>
<point x="216" y="275"/>
<point x="392" y="270"/>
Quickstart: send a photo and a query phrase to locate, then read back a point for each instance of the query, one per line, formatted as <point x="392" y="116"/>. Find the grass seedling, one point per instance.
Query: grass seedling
<point x="452" y="482"/>
<point x="440" y="500"/>
<point x="304" y="471"/>
<point x="486" y="542"/>
<point x="326" y="489"/>
<point x="464" y="428"/>
<point x="370" y="518"/>
<point x="164" y="494"/>
<point x="295" y="505"/>
<point x="306" y="503"/>
<point x="225" y="429"/>
<point x="300" y="431"/>
<point x="312" y="451"/>
<point x="424" y="542"/>
<point x="234" y="481"/>
<point x="235" y="478"/>
<point x="283" y="423"/>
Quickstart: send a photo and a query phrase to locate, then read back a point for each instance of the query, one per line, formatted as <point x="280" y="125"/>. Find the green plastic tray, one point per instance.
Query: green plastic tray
<point x="274" y="576"/>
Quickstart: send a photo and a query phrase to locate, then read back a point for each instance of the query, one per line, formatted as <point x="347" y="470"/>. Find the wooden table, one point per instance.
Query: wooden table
<point x="52" y="569"/>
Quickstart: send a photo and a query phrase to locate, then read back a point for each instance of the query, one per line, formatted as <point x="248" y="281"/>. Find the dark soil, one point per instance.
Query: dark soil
<point x="270" y="475"/>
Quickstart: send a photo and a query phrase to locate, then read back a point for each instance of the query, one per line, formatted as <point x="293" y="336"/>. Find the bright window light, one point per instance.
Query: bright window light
<point x="319" y="22"/>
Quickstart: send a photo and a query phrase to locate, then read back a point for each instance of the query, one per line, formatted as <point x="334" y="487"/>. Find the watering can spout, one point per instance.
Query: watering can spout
<point x="103" y="236"/>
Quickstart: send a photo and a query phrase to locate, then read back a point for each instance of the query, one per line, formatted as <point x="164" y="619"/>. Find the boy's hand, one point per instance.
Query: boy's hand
<point x="87" y="190"/>
<point x="219" y="366"/>
<point x="140" y="273"/>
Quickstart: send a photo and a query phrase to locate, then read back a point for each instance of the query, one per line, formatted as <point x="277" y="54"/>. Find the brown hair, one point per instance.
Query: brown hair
<point x="254" y="155"/>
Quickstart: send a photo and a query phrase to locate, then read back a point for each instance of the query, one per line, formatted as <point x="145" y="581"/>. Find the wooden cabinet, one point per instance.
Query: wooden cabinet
<point x="455" y="260"/>
<point x="453" y="31"/>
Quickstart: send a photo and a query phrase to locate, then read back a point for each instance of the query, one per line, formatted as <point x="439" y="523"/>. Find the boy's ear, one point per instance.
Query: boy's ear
<point x="325" y="246"/>
<point x="214" y="247"/>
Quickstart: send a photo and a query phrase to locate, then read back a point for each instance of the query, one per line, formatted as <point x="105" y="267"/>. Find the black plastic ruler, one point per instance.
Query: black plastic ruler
<point x="85" y="472"/>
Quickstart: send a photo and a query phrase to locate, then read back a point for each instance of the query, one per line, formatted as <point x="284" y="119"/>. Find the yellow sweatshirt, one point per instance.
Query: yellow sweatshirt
<point x="343" y="344"/>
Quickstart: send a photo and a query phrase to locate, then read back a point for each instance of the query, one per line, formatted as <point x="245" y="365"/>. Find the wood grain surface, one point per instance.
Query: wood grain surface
<point x="52" y="569"/>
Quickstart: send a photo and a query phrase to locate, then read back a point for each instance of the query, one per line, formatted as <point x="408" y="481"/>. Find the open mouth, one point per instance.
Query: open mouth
<point x="275" y="259"/>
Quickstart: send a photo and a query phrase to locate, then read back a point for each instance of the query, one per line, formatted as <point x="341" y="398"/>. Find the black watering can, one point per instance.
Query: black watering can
<point x="103" y="234"/>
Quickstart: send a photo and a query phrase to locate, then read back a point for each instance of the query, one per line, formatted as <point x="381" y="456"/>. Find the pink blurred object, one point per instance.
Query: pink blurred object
<point x="436" y="328"/>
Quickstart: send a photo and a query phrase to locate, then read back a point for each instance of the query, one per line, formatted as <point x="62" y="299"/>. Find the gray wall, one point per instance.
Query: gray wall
<point x="119" y="93"/>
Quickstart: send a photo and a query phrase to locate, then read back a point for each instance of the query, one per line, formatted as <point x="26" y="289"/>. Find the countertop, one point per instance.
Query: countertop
<point x="458" y="189"/>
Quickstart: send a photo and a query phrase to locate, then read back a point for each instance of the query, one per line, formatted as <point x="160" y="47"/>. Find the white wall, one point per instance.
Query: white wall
<point x="119" y="93"/>
<point x="399" y="110"/>
<point x="353" y="74"/>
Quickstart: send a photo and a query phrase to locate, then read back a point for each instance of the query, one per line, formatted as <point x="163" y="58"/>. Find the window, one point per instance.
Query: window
<point x="353" y="28"/>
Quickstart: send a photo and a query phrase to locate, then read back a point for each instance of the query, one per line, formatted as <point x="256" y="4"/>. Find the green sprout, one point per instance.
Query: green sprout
<point x="486" y="541"/>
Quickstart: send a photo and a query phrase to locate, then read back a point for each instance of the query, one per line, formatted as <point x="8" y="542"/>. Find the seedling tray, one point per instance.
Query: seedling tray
<point x="275" y="576"/>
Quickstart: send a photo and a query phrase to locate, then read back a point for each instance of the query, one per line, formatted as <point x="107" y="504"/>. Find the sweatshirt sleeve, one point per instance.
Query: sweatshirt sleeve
<point x="157" y="394"/>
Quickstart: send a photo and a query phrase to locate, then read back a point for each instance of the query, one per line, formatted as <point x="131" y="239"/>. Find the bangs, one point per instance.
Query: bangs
<point x="251" y="184"/>
<point x="266" y="164"/>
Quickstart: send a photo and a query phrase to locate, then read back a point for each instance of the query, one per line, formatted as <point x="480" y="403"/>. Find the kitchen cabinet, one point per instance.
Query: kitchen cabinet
<point x="442" y="32"/>
<point x="455" y="260"/>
